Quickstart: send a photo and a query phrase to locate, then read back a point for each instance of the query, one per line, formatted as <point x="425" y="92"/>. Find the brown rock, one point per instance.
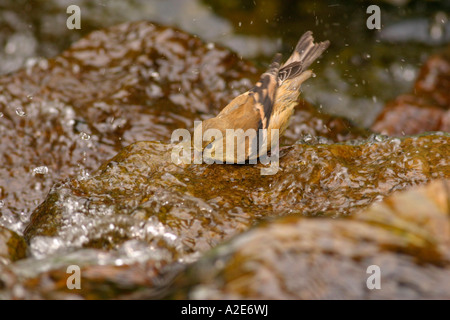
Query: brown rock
<point x="407" y="236"/>
<point x="183" y="210"/>
<point x="12" y="246"/>
<point x="427" y="108"/>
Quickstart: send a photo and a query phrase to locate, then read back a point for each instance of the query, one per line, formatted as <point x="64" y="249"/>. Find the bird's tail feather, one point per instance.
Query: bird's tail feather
<point x="305" y="53"/>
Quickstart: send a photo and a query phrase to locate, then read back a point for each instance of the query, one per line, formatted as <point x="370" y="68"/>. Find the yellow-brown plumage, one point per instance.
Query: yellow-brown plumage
<point x="269" y="105"/>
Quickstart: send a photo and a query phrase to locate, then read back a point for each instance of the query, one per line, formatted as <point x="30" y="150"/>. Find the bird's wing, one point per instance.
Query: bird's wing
<point x="290" y="71"/>
<point x="254" y="108"/>
<point x="264" y="92"/>
<point x="240" y="113"/>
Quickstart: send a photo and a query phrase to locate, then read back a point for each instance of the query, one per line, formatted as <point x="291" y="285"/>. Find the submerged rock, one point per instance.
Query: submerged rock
<point x="406" y="237"/>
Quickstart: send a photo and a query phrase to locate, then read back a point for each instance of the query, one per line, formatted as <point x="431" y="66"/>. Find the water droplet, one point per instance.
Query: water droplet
<point x="76" y="68"/>
<point x="10" y="47"/>
<point x="85" y="136"/>
<point x="20" y="112"/>
<point x="378" y="138"/>
<point x="2" y="203"/>
<point x="40" y="170"/>
<point x="118" y="262"/>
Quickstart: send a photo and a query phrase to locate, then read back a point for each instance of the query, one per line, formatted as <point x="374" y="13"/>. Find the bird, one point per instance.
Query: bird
<point x="268" y="105"/>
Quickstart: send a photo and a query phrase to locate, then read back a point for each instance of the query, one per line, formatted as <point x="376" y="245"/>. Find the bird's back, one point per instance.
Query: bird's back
<point x="269" y="104"/>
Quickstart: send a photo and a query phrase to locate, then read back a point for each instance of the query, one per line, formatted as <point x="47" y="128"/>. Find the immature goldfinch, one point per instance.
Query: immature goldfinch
<point x="268" y="105"/>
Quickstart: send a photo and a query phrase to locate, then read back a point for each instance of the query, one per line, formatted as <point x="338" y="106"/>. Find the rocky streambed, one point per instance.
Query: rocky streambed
<point x="87" y="180"/>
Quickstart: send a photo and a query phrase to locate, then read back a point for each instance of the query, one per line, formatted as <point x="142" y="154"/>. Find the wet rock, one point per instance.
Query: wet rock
<point x="98" y="282"/>
<point x="12" y="246"/>
<point x="103" y="275"/>
<point x="407" y="236"/>
<point x="183" y="210"/>
<point x="61" y="118"/>
<point x="427" y="108"/>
